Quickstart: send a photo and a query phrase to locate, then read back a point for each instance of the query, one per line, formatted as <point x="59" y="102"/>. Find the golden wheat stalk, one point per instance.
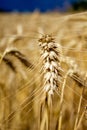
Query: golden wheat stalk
<point x="62" y="100"/>
<point x="78" y="121"/>
<point x="51" y="57"/>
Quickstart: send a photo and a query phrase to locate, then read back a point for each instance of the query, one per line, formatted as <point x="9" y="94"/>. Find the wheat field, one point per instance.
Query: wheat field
<point x="43" y="71"/>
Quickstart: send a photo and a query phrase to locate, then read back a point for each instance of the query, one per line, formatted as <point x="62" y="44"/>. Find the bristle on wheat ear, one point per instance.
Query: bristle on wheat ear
<point x="51" y="56"/>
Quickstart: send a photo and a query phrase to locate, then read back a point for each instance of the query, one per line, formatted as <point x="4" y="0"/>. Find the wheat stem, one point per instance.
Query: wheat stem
<point x="61" y="102"/>
<point x="79" y="107"/>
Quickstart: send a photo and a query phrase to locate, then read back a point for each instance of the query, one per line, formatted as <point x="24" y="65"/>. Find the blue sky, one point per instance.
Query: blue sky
<point x="31" y="5"/>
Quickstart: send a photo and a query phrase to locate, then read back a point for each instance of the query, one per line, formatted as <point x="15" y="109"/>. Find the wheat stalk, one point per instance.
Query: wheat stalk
<point x="61" y="101"/>
<point x="77" y="121"/>
<point x="51" y="57"/>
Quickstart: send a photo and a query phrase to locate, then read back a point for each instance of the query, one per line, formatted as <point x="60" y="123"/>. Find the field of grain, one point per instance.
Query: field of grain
<point x="27" y="101"/>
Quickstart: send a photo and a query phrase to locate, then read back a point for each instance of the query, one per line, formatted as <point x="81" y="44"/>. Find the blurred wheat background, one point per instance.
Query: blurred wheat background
<point x="21" y="78"/>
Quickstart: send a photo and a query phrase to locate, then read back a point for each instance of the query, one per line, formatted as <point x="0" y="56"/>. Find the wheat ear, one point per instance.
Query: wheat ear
<point x="51" y="56"/>
<point x="9" y="64"/>
<point x="18" y="55"/>
<point x="75" y="73"/>
<point x="52" y="72"/>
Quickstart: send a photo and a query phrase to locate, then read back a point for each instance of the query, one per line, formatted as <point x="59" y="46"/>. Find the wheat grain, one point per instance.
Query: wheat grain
<point x="51" y="55"/>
